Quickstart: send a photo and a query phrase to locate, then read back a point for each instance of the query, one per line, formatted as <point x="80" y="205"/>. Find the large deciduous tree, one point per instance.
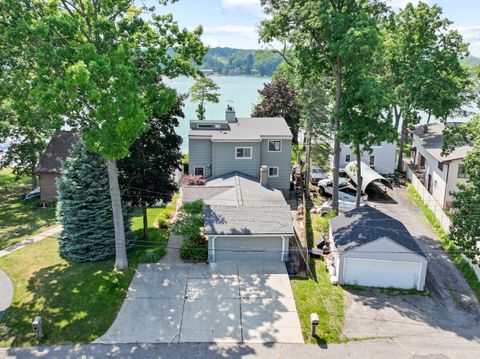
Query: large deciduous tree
<point x="100" y="65"/>
<point x="146" y="174"/>
<point x="422" y="55"/>
<point x="326" y="36"/>
<point x="204" y="90"/>
<point x="279" y="99"/>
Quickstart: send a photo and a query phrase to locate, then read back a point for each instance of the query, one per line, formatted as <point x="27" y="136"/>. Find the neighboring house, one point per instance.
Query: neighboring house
<point x="440" y="174"/>
<point x="49" y="167"/>
<point x="243" y="145"/>
<point x="382" y="157"/>
<point x="245" y="220"/>
<point x="373" y="249"/>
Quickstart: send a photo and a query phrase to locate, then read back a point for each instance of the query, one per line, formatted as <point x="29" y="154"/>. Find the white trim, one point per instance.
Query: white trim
<point x="283" y="249"/>
<point x="193" y="137"/>
<point x="235" y="140"/>
<point x="272" y="137"/>
<point x="268" y="145"/>
<point x="420" y="265"/>
<point x="202" y="167"/>
<point x="268" y="171"/>
<point x="244" y="158"/>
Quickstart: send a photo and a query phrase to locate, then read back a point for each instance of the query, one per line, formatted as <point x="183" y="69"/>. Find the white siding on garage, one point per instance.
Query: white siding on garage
<point x="378" y="273"/>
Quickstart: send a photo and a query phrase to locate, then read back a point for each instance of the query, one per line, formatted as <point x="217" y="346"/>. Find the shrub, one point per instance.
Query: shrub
<point x="190" y="222"/>
<point x="193" y="251"/>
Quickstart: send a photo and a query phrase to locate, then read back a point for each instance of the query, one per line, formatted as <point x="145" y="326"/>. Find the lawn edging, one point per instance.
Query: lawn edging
<point x="450" y="247"/>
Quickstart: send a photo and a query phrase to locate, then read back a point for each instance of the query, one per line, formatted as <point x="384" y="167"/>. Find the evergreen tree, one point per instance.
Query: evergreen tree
<point x="84" y="209"/>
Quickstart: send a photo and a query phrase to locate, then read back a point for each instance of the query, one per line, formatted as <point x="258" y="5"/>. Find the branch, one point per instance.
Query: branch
<point x="64" y="2"/>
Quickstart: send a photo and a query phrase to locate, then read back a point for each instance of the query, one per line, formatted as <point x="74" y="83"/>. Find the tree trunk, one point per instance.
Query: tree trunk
<point x="429" y="116"/>
<point x="336" y="138"/>
<point x="403" y="136"/>
<point x="308" y="156"/>
<point x="34" y="179"/>
<point x="145" y="221"/>
<point x="359" y="176"/>
<point x="397" y="117"/>
<point x="121" y="261"/>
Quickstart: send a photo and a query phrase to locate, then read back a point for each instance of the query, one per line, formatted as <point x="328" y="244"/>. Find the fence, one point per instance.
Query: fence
<point x="435" y="207"/>
<point x="431" y="202"/>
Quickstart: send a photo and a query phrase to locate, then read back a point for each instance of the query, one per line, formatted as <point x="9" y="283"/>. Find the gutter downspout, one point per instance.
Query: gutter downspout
<point x="446" y="186"/>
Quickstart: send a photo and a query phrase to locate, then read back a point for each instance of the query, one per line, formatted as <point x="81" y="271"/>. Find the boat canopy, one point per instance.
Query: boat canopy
<point x="369" y="175"/>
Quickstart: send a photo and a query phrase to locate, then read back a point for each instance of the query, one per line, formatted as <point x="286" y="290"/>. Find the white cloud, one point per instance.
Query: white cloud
<point x="252" y="6"/>
<point x="471" y="34"/>
<point x="246" y="31"/>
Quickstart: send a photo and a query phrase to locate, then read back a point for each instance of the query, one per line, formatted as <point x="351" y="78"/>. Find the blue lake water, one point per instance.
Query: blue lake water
<point x="241" y="92"/>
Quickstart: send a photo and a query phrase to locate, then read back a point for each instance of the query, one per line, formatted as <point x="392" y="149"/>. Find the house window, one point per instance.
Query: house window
<point x="347" y="158"/>
<point x="372" y="161"/>
<point x="377" y="145"/>
<point x="272" y="171"/>
<point x="199" y="171"/>
<point x="440" y="166"/>
<point x="243" y="152"/>
<point x="274" y="146"/>
<point x="461" y="171"/>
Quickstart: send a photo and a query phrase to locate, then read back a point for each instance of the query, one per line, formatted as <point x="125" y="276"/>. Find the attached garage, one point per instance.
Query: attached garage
<point x="248" y="248"/>
<point x="372" y="249"/>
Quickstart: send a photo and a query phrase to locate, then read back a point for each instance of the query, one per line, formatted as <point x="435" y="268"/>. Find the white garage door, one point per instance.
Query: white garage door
<point x="248" y="249"/>
<point x="379" y="273"/>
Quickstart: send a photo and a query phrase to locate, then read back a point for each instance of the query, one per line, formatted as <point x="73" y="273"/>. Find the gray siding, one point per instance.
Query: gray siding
<point x="248" y="248"/>
<point x="200" y="155"/>
<point x="223" y="159"/>
<point x="277" y="159"/>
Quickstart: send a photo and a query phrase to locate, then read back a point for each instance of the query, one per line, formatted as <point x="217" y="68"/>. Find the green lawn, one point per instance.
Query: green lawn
<point x="319" y="296"/>
<point x="19" y="220"/>
<point x="78" y="302"/>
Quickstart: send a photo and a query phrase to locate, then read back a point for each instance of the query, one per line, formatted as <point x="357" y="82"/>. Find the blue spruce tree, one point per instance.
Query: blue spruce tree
<point x="84" y="209"/>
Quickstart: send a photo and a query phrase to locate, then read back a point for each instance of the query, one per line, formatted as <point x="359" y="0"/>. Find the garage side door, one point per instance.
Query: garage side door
<point x="248" y="249"/>
<point x="379" y="273"/>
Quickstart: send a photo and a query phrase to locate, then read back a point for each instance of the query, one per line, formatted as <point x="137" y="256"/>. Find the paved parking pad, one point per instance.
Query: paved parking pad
<point x="220" y="302"/>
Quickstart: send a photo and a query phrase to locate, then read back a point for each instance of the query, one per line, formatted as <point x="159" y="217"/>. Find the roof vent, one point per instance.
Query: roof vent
<point x="230" y="114"/>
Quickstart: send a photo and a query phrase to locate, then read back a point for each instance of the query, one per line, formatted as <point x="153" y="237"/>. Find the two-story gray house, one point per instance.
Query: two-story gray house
<point x="246" y="162"/>
<point x="246" y="145"/>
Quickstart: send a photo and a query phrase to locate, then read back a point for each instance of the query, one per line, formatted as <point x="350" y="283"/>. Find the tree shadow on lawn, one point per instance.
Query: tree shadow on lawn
<point x="19" y="219"/>
<point x="78" y="303"/>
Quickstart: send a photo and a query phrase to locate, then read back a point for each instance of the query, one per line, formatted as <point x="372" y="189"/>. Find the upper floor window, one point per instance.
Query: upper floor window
<point x="440" y="166"/>
<point x="274" y="146"/>
<point x="461" y="171"/>
<point x="243" y="152"/>
<point x="377" y="145"/>
<point x="199" y="171"/>
<point x="372" y="161"/>
<point x="272" y="171"/>
<point x="347" y="158"/>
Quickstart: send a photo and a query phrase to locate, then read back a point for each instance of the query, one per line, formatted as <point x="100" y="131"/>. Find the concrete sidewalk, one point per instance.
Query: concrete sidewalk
<point x="45" y="234"/>
<point x="413" y="347"/>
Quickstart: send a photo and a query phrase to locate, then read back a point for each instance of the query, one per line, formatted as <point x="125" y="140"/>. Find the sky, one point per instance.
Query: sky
<point x="234" y="23"/>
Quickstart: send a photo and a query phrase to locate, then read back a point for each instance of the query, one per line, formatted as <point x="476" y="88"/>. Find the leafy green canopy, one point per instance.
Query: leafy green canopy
<point x="204" y="90"/>
<point x="100" y="64"/>
<point x="84" y="209"/>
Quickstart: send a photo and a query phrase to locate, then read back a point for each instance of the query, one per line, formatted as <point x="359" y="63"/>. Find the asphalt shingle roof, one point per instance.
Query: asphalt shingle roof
<point x="238" y="204"/>
<point x="57" y="151"/>
<point x="432" y="141"/>
<point x="367" y="224"/>
<point x="248" y="128"/>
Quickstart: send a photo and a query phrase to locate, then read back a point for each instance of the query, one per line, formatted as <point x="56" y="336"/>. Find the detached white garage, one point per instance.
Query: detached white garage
<point x="373" y="249"/>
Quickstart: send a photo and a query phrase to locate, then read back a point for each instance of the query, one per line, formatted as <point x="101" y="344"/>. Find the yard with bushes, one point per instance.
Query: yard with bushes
<point x="20" y="220"/>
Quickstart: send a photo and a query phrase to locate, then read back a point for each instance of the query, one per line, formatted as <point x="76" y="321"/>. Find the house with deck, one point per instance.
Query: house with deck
<point x="439" y="173"/>
<point x="246" y="162"/>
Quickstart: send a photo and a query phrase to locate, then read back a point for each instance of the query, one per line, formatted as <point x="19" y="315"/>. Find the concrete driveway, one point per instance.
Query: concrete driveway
<point x="222" y="302"/>
<point x="449" y="310"/>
